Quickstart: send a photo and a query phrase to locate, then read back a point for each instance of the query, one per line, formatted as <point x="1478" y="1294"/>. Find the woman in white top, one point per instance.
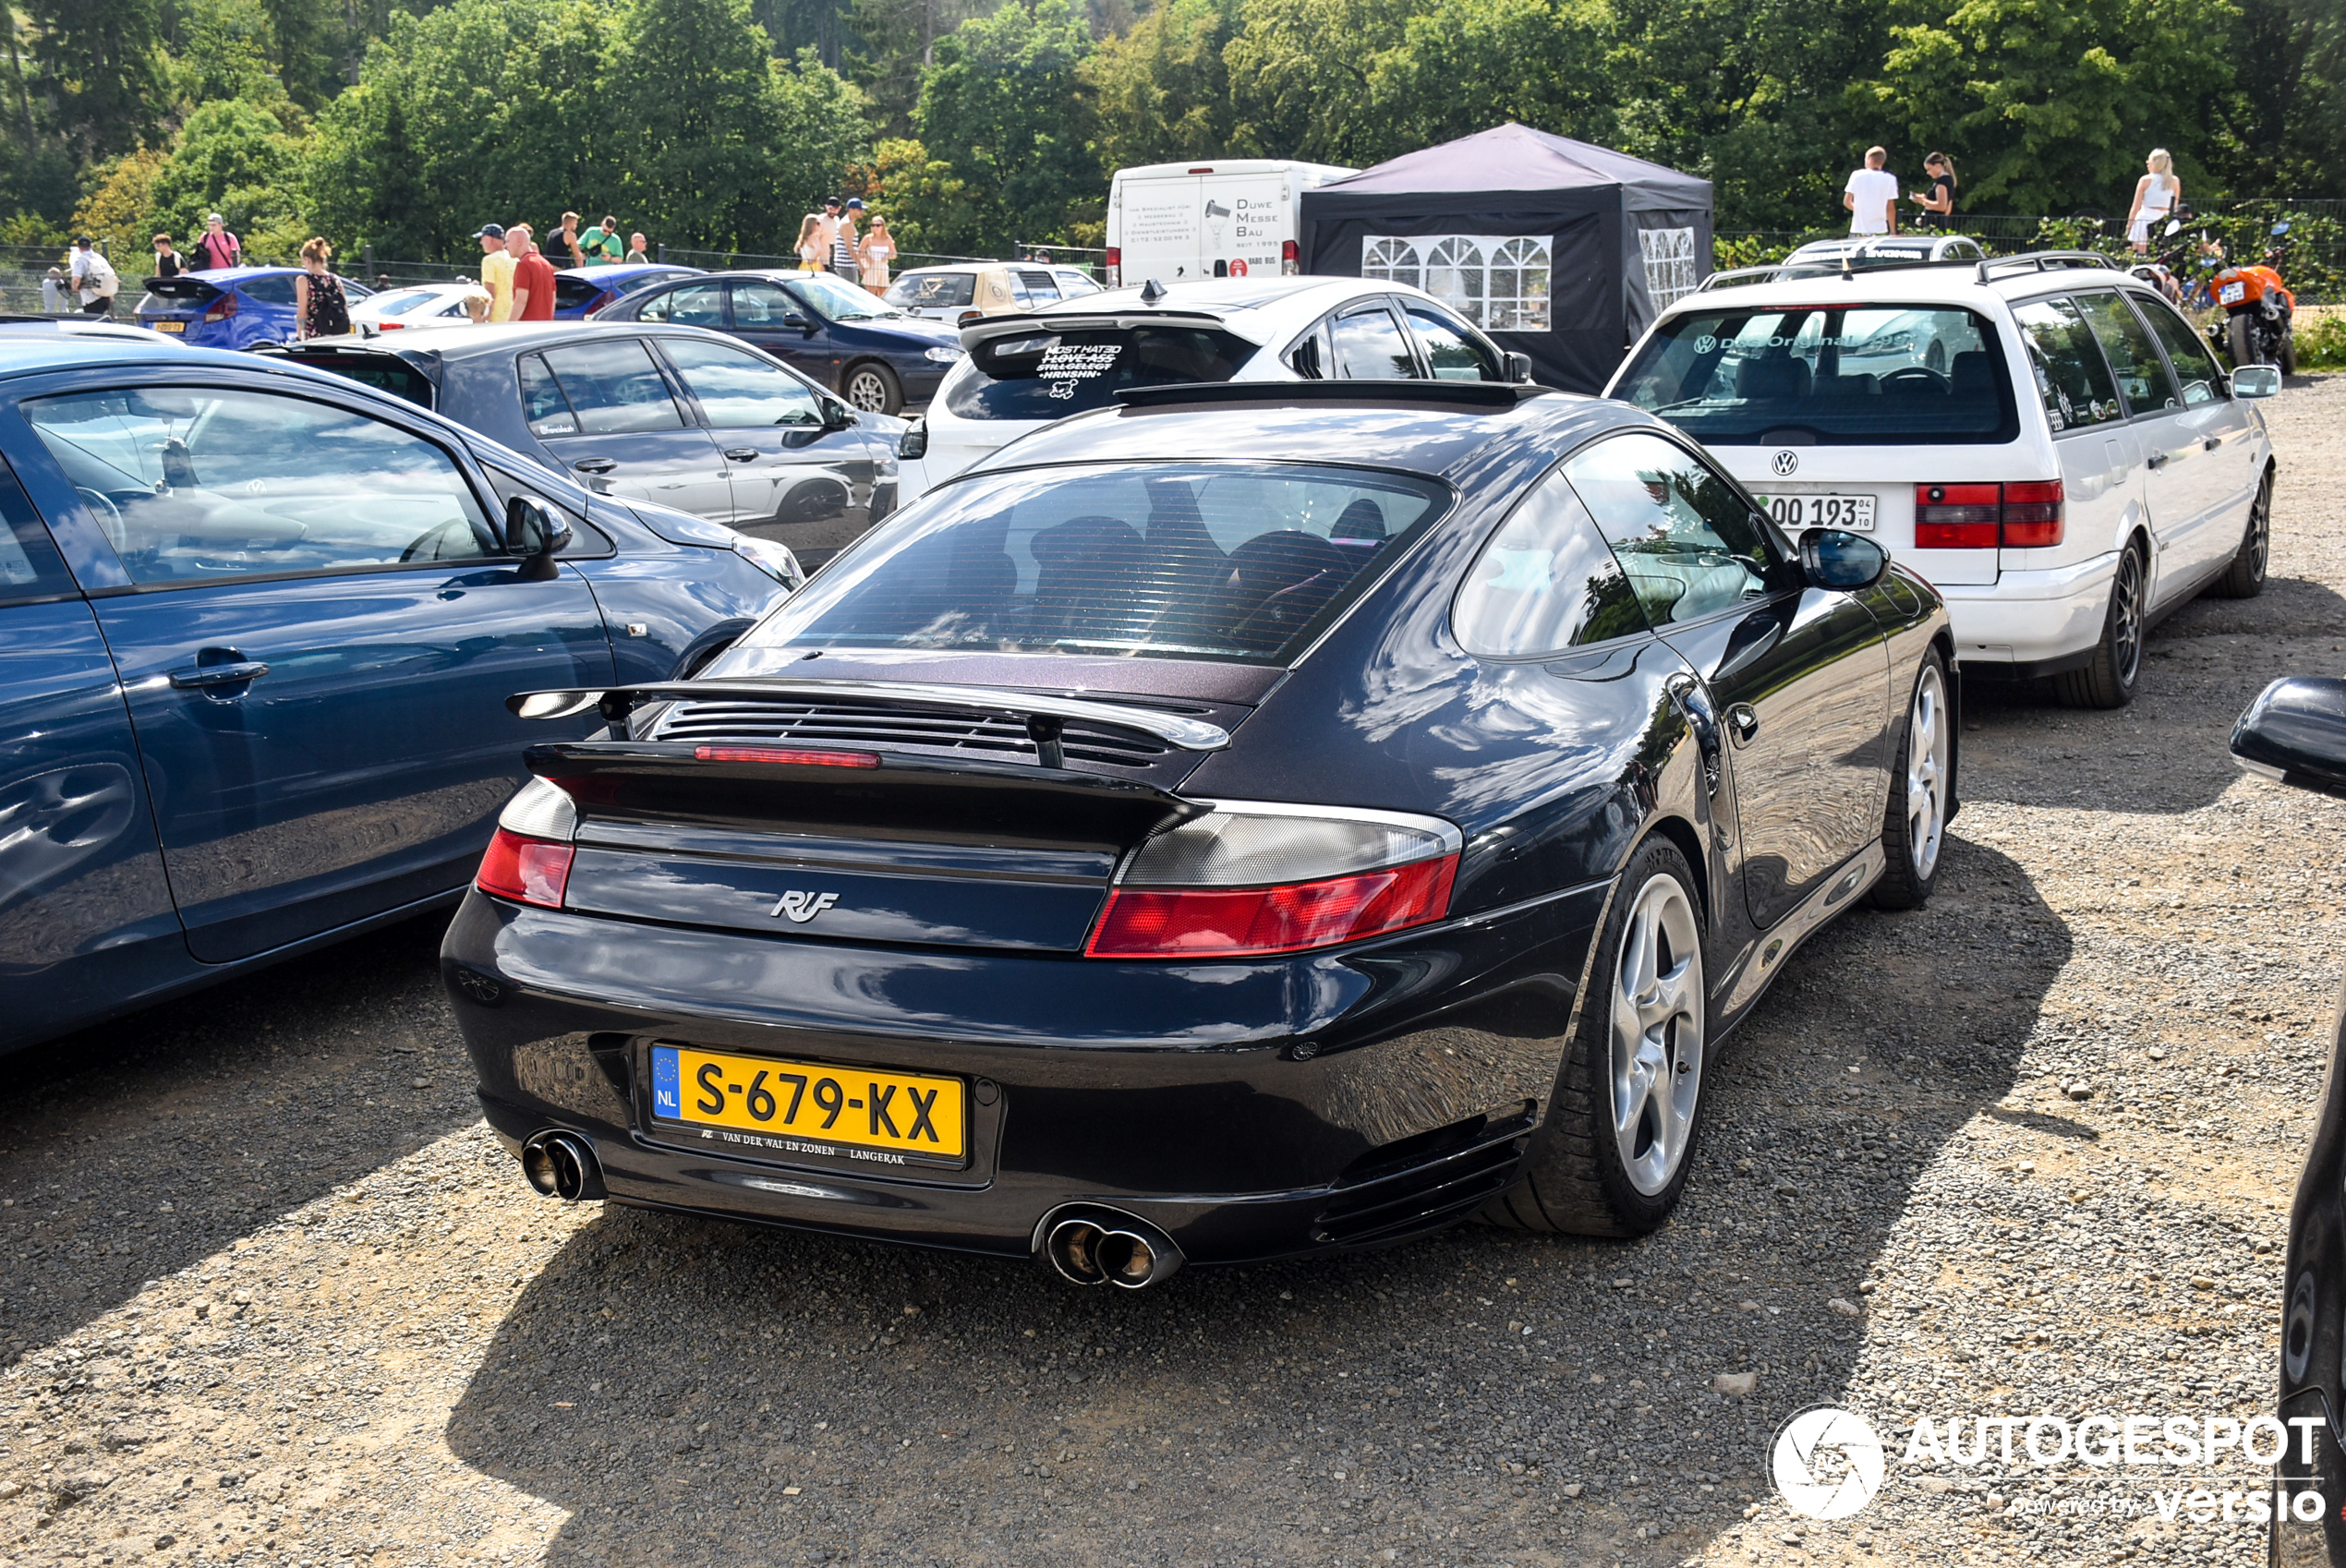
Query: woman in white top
<point x="2155" y="194"/>
<point x="877" y="250"/>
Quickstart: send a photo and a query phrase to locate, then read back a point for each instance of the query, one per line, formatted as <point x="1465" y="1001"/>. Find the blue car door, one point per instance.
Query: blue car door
<point x="323" y="634"/>
<point x="85" y="913"/>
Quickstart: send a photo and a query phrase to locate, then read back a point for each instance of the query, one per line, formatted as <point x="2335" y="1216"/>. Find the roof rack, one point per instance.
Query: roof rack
<point x="2046" y="261"/>
<point x="1458" y="394"/>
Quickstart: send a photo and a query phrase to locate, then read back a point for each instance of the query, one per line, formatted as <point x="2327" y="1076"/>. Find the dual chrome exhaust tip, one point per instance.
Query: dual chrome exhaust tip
<point x="1095" y="1245"/>
<point x="562" y="1165"/>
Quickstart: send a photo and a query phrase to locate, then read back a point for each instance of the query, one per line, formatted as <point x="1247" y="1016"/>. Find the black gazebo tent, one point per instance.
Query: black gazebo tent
<point x="1555" y="247"/>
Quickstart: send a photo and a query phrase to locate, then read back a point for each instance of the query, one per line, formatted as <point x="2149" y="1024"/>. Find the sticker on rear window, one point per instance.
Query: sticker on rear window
<point x="1067" y="363"/>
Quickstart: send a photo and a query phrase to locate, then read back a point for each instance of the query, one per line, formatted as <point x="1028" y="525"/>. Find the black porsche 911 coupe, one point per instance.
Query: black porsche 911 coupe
<point x="1246" y="821"/>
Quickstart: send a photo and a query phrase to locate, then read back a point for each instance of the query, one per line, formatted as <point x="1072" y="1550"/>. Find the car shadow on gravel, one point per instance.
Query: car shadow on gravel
<point x="695" y="1391"/>
<point x="233" y="1107"/>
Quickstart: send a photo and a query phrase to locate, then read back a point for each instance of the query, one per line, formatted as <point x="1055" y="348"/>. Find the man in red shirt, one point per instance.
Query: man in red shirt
<point x="533" y="278"/>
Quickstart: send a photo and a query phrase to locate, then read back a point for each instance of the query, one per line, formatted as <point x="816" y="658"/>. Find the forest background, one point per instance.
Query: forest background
<point x="403" y="124"/>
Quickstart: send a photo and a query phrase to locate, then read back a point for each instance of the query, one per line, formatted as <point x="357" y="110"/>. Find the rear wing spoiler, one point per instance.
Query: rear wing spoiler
<point x="978" y="334"/>
<point x="1045" y="716"/>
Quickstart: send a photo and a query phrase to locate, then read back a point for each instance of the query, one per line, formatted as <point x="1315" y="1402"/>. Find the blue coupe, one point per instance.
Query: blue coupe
<point x="229" y="306"/>
<point x="258" y="625"/>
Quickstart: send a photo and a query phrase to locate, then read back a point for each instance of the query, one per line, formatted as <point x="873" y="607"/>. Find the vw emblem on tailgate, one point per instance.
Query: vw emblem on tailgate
<point x="802" y="907"/>
<point x="1785" y="462"/>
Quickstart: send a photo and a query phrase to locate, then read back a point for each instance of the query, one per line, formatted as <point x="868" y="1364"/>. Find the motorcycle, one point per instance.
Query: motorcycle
<point x="2259" y="311"/>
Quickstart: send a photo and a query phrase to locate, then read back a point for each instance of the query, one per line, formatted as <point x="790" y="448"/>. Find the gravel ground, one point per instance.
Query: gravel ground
<point x="273" y="1297"/>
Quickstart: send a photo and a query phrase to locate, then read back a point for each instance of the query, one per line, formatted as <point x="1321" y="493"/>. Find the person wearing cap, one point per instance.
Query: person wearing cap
<point x="844" y="241"/>
<point x="496" y="273"/>
<point x="95" y="277"/>
<point x="217" y="248"/>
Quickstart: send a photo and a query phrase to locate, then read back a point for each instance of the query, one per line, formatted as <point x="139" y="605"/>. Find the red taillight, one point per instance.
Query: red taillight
<point x="528" y="871"/>
<point x="1114" y="256"/>
<point x="786" y="755"/>
<point x="1112" y="270"/>
<point x="2018" y="516"/>
<point x="1291" y="258"/>
<point x="2032" y="515"/>
<point x="967" y="316"/>
<point x="1220" y="923"/>
<point x="391" y="326"/>
<point x="1202" y="169"/>
<point x="221" y="308"/>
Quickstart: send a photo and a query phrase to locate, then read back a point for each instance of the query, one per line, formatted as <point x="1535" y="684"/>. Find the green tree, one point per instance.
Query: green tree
<point x="694" y="92"/>
<point x="928" y="207"/>
<point x="1161" y="93"/>
<point x="235" y="159"/>
<point x="1003" y="109"/>
<point x="105" y="70"/>
<point x="2051" y="105"/>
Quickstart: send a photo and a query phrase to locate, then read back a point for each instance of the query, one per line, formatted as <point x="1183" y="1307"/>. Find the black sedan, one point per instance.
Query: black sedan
<point x="1126" y="856"/>
<point x="870" y="352"/>
<point x="672" y="415"/>
<point x="2296" y="732"/>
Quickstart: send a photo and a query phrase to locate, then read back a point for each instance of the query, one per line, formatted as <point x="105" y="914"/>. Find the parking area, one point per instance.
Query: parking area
<point x="271" y="1295"/>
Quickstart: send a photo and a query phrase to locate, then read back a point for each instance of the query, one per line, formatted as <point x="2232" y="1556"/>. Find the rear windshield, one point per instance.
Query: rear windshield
<point x="1045" y="375"/>
<point x="933" y="289"/>
<point x="576" y="293"/>
<point x="1176" y="561"/>
<point x="384" y="373"/>
<point x="399" y="301"/>
<point x="1836" y="375"/>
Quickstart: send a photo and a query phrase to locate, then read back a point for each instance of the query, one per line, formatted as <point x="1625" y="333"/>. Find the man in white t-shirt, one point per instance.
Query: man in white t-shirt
<point x="1871" y="196"/>
<point x="93" y="278"/>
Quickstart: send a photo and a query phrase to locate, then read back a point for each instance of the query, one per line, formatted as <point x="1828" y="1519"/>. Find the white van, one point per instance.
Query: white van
<point x="1178" y="222"/>
<point x="2042" y="437"/>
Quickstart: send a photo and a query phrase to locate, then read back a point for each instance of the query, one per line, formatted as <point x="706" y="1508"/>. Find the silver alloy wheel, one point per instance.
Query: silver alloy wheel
<point x="1928" y="740"/>
<point x="868" y="390"/>
<point x="1657" y="1034"/>
<point x="2260" y="526"/>
<point x="2126" y="618"/>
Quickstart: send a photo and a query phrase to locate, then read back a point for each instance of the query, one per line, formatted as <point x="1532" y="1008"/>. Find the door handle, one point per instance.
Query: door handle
<point x="2157" y="460"/>
<point x="1743" y="722"/>
<point x="594" y="465"/>
<point x="741" y="454"/>
<point x="219" y="674"/>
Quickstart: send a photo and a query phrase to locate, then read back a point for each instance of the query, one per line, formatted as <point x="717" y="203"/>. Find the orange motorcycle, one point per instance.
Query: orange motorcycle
<point x="2258" y="309"/>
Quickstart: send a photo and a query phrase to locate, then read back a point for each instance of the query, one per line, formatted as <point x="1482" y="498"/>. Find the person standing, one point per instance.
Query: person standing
<point x="2155" y="194"/>
<point x="496" y="271"/>
<point x="637" y="255"/>
<point x="568" y="240"/>
<point x="1871" y="196"/>
<point x="877" y="250"/>
<point x="812" y="245"/>
<point x="169" y="263"/>
<point x="52" y="292"/>
<point x="321" y="309"/>
<point x="93" y="277"/>
<point x="845" y="242"/>
<point x="602" y="247"/>
<point x="1938" y="203"/>
<point x="533" y="277"/>
<point x="217" y="248"/>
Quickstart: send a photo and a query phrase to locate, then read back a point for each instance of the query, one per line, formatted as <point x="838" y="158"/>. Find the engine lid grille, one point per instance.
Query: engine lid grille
<point x="928" y="730"/>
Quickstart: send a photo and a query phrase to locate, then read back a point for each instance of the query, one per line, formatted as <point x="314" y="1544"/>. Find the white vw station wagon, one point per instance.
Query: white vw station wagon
<point x="2042" y="437"/>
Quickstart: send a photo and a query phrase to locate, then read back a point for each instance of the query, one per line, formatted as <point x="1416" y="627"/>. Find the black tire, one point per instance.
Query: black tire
<point x="2288" y="352"/>
<point x="1914" y="821"/>
<point x="1576" y="1179"/>
<point x="2110" y="679"/>
<point x="2244" y="578"/>
<point x="2240" y="338"/>
<point x="872" y="387"/>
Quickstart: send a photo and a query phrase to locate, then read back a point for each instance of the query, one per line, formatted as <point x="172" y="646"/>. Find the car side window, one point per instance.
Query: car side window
<point x="736" y="388"/>
<point x="543" y="407"/>
<point x="760" y="305"/>
<point x="613" y="388"/>
<point x="1690" y="543"/>
<point x="2194" y="365"/>
<point x="30" y="566"/>
<point x="1369" y="347"/>
<point x="2070" y="374"/>
<point x="1454" y="356"/>
<point x="196" y="484"/>
<point x="1312" y="356"/>
<point x="1041" y="287"/>
<point x="1545" y="581"/>
<point x="275" y="289"/>
<point x="2132" y="354"/>
<point x="689" y="305"/>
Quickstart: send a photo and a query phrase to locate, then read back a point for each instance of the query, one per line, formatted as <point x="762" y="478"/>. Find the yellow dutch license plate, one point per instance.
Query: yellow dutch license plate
<point x="171" y="326"/>
<point x="808" y="1108"/>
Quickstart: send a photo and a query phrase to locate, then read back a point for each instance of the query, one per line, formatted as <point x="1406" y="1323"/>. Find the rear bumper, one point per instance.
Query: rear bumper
<point x="1249" y="1110"/>
<point x="2031" y="623"/>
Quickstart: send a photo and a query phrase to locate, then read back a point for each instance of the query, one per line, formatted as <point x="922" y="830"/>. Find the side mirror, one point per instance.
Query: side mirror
<point x="1833" y="559"/>
<point x="1520" y="368"/>
<point x="838" y="416"/>
<point x="2295" y="731"/>
<point x="792" y="319"/>
<point x="535" y="532"/>
<point x="2256" y="380"/>
<point x="914" y="444"/>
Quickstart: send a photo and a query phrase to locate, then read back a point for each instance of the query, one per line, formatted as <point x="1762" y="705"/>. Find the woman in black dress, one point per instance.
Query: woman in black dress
<point x="320" y="310"/>
<point x="1938" y="204"/>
